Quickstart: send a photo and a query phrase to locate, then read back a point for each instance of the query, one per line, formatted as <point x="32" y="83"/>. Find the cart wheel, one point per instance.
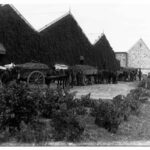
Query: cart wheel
<point x="36" y="77"/>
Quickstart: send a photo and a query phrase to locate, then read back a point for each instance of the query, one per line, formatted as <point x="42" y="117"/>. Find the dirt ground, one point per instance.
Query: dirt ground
<point x="105" y="91"/>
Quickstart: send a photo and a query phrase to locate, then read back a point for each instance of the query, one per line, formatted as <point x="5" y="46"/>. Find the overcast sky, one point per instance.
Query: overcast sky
<point x="123" y="21"/>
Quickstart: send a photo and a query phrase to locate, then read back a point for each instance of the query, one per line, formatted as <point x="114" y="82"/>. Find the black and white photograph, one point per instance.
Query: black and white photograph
<point x="75" y="73"/>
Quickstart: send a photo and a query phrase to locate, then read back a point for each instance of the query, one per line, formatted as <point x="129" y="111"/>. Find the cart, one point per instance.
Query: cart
<point x="32" y="72"/>
<point x="84" y="74"/>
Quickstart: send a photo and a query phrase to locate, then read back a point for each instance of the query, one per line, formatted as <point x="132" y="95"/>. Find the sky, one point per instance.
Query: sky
<point x="123" y="22"/>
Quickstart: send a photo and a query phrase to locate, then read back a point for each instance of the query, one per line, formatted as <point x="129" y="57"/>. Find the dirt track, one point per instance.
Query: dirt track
<point x="105" y="91"/>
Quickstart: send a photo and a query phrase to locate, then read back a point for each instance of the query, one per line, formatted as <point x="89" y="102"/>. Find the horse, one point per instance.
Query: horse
<point x="8" y="75"/>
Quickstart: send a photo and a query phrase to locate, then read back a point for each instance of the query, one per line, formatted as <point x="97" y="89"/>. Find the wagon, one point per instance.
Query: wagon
<point x="85" y="69"/>
<point x="32" y="72"/>
<point x="85" y="73"/>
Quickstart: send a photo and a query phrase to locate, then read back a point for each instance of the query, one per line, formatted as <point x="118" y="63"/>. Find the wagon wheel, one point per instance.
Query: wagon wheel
<point x="36" y="77"/>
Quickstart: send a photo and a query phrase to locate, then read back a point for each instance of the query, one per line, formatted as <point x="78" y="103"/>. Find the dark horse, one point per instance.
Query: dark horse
<point x="8" y="75"/>
<point x="61" y="77"/>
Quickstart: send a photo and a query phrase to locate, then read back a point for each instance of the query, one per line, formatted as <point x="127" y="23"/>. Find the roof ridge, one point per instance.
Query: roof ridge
<point x="54" y="21"/>
<point x="21" y="16"/>
<point x="99" y="37"/>
<point x="140" y="40"/>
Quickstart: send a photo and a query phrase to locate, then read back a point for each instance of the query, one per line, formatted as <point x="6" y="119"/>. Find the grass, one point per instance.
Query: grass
<point x="134" y="132"/>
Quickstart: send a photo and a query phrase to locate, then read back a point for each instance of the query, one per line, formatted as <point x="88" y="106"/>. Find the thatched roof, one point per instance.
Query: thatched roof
<point x="32" y="65"/>
<point x="2" y="49"/>
<point x="86" y="69"/>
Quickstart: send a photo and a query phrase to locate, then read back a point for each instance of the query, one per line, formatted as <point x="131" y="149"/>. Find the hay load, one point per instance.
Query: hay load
<point x="85" y="69"/>
<point x="33" y="65"/>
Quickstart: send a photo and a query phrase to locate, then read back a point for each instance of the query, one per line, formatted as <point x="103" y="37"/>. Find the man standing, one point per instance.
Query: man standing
<point x="140" y="74"/>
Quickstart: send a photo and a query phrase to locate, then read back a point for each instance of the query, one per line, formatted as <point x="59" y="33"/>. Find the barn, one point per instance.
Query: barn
<point x="138" y="56"/>
<point x="2" y="53"/>
<point x="122" y="57"/>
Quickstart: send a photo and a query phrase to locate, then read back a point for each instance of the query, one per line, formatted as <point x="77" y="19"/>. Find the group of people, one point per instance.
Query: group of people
<point x="79" y="78"/>
<point x="130" y="75"/>
<point x="104" y="77"/>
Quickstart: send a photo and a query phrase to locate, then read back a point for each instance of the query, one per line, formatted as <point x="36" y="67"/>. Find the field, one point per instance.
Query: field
<point x="134" y="132"/>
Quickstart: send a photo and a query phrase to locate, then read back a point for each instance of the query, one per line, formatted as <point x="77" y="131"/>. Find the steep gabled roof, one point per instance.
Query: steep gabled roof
<point x="19" y="14"/>
<point x="67" y="16"/>
<point x="99" y="38"/>
<point x="139" y="43"/>
<point x="56" y="21"/>
<point x="105" y="53"/>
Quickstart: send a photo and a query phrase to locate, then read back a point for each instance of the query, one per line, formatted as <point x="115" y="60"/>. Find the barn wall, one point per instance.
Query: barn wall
<point x="122" y="57"/>
<point x="139" y="56"/>
<point x="2" y="59"/>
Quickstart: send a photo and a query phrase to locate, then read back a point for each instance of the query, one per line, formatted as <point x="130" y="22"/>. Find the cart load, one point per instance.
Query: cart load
<point x="32" y="72"/>
<point x="85" y="69"/>
<point x="84" y="74"/>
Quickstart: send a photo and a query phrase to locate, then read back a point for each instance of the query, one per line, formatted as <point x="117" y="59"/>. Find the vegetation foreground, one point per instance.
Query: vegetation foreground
<point x="55" y="117"/>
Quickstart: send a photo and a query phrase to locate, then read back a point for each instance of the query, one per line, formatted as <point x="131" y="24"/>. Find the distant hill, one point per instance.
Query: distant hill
<point x="105" y="54"/>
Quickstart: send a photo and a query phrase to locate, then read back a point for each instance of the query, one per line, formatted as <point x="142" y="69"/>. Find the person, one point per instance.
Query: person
<point x="18" y="77"/>
<point x="140" y="74"/>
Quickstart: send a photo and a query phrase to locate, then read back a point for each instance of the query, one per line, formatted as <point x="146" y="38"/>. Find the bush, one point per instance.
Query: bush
<point x="86" y="101"/>
<point x="16" y="105"/>
<point x="134" y="100"/>
<point x="65" y="121"/>
<point x="36" y="132"/>
<point x="122" y="105"/>
<point x="66" y="125"/>
<point x="145" y="83"/>
<point x="50" y="101"/>
<point x="53" y="99"/>
<point x="108" y="116"/>
<point x="21" y="108"/>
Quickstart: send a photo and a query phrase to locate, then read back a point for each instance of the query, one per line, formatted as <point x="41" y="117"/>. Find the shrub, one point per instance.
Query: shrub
<point x="130" y="104"/>
<point x="21" y="108"/>
<point x="86" y="101"/>
<point x="16" y="105"/>
<point x="37" y="132"/>
<point x="122" y="105"/>
<point x="65" y="121"/>
<point x="108" y="116"/>
<point x="142" y="83"/>
<point x="145" y="83"/>
<point x="134" y="104"/>
<point x="66" y="125"/>
<point x="134" y="98"/>
<point x="50" y="101"/>
<point x="53" y="99"/>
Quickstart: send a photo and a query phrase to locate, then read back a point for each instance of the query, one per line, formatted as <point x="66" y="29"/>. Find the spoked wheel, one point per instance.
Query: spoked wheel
<point x="36" y="77"/>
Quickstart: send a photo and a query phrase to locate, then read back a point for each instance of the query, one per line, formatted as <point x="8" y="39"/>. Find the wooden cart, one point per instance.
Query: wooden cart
<point x="32" y="72"/>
